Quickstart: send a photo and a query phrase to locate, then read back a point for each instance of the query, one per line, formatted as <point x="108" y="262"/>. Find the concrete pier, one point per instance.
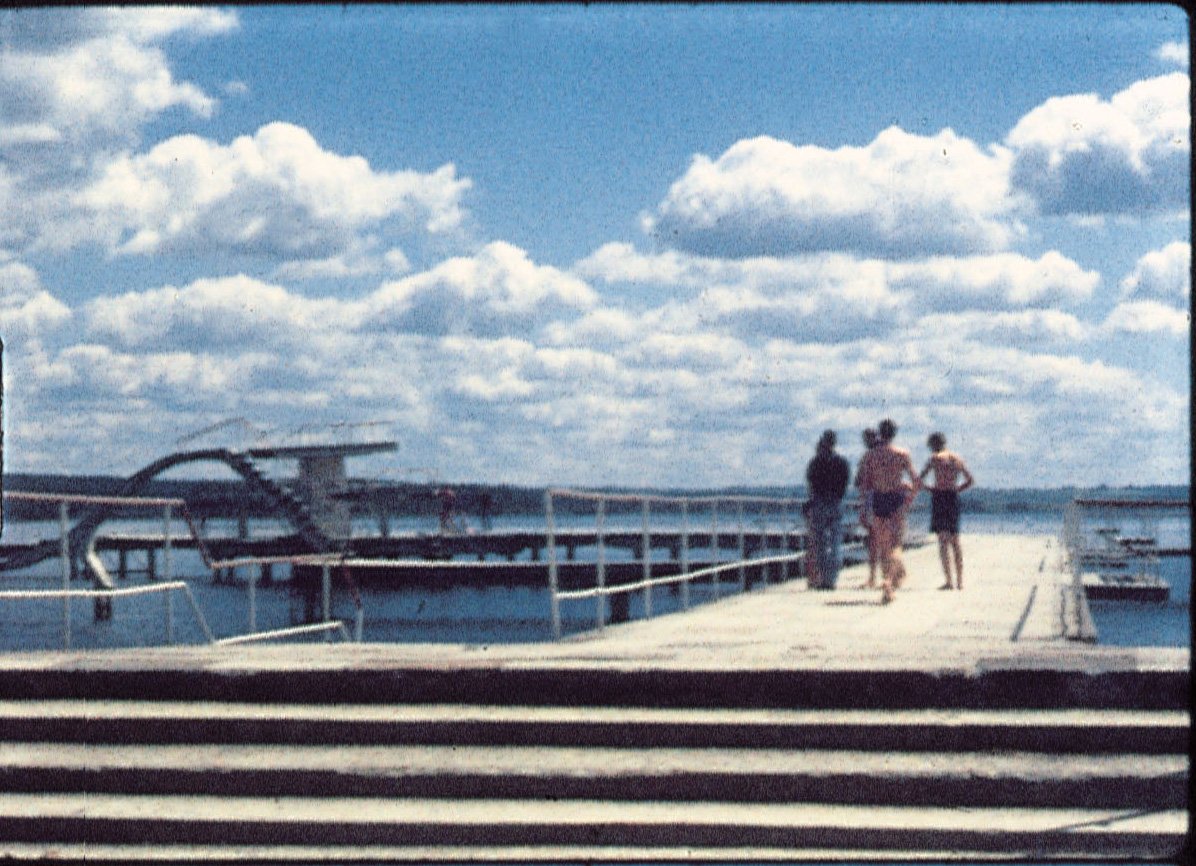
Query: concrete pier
<point x="782" y="723"/>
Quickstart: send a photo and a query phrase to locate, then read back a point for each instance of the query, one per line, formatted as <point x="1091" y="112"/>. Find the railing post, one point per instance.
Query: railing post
<point x="253" y="601"/>
<point x="785" y="536"/>
<point x="742" y="552"/>
<point x="64" y="530"/>
<point x="166" y="574"/>
<point x="714" y="548"/>
<point x="685" y="553"/>
<point x="764" y="548"/>
<point x="550" y="543"/>
<point x="601" y="526"/>
<point x="647" y="555"/>
<point x="326" y="586"/>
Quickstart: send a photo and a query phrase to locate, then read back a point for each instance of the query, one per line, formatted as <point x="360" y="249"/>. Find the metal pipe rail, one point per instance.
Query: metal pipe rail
<point x="601" y="591"/>
<point x="327" y="562"/>
<point x="166" y="588"/>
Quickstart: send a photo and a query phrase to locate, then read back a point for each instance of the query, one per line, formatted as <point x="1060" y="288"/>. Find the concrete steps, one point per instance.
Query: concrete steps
<point x="129" y="780"/>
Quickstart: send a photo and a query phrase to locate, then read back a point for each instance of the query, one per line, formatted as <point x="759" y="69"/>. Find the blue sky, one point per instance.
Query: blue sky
<point x="640" y="245"/>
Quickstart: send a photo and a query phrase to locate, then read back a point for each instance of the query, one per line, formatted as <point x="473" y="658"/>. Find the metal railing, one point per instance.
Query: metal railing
<point x="327" y="563"/>
<point x="1084" y="545"/>
<point x="165" y="585"/>
<point x="766" y="511"/>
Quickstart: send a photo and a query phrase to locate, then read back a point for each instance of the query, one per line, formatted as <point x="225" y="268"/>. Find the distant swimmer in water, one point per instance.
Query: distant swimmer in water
<point x="881" y="475"/>
<point x="944" y="503"/>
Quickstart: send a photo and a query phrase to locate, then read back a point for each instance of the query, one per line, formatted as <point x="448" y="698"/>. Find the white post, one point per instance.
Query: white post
<point x="327" y="590"/>
<point x="601" y="525"/>
<point x="685" y="553"/>
<point x="64" y="530"/>
<point x="785" y="536"/>
<point x="742" y="551"/>
<point x="166" y="544"/>
<point x="253" y="600"/>
<point x="764" y="549"/>
<point x="550" y="543"/>
<point x="714" y="548"/>
<point x="647" y="554"/>
<point x="166" y="574"/>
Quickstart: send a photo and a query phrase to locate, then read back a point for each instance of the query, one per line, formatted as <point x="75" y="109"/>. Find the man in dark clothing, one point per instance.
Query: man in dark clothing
<point x="826" y="480"/>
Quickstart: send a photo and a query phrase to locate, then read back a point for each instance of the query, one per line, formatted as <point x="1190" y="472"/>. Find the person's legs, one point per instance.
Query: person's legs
<point x="958" y="561"/>
<point x="824" y="529"/>
<point x="873" y="558"/>
<point x="945" y="558"/>
<point x="885" y="549"/>
<point x="830" y="537"/>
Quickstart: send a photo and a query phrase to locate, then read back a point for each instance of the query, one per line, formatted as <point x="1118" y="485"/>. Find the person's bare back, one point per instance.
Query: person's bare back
<point x="948" y="467"/>
<point x="883" y="467"/>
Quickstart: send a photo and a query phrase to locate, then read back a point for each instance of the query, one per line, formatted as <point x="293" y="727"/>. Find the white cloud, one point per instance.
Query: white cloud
<point x="76" y="87"/>
<point x="496" y="292"/>
<point x="902" y="195"/>
<point x="223" y="313"/>
<point x="1084" y="155"/>
<point x="276" y="193"/>
<point x="27" y="309"/>
<point x="1001" y="281"/>
<point x="93" y="76"/>
<point x="1174" y="52"/>
<point x="1149" y="317"/>
<point x="1164" y="274"/>
<point x="1020" y="329"/>
<point x="356" y="262"/>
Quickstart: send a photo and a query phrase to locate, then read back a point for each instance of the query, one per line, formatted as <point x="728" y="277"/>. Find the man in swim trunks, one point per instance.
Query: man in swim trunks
<point x="870" y="442"/>
<point x="944" y="503"/>
<point x="881" y="474"/>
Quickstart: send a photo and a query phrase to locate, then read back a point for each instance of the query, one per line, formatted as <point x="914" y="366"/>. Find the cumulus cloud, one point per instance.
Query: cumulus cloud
<point x="27" y="309"/>
<point x="496" y="292"/>
<point x="1082" y="154"/>
<point x="901" y="195"/>
<point x="1025" y="329"/>
<point x="1164" y="274"/>
<point x="1003" y="281"/>
<point x="276" y="193"/>
<point x="1174" y="52"/>
<point x="227" y="312"/>
<point x="1149" y="317"/>
<point x="93" y="77"/>
<point x="78" y="86"/>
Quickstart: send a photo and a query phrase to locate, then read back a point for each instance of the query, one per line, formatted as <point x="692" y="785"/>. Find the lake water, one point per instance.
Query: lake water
<point x="482" y="616"/>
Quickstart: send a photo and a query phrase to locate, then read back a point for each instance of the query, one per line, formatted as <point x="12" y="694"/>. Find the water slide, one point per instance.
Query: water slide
<point x="83" y="535"/>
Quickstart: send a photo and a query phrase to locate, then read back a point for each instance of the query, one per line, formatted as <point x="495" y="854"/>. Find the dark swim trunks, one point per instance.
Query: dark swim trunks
<point x="944" y="511"/>
<point x="887" y="504"/>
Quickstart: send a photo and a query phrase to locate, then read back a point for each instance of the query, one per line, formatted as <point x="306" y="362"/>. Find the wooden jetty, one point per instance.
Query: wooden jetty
<point x="781" y="724"/>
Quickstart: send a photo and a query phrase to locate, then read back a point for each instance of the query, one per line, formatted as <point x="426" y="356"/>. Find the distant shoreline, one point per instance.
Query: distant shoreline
<point x="227" y="498"/>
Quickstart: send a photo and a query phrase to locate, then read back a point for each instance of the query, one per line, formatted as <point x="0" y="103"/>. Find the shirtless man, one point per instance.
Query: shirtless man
<point x="870" y="440"/>
<point x="881" y="475"/>
<point x="944" y="503"/>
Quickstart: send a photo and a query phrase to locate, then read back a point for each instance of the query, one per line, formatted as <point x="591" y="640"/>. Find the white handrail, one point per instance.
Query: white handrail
<point x="685" y="577"/>
<point x="68" y="594"/>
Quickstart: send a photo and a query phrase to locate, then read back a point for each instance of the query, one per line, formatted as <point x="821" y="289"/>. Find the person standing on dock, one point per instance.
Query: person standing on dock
<point x="881" y="475"/>
<point x="871" y="440"/>
<point x="826" y="479"/>
<point x="944" y="503"/>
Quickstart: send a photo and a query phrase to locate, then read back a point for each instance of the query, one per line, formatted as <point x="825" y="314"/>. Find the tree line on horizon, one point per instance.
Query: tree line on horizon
<point x="227" y="497"/>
